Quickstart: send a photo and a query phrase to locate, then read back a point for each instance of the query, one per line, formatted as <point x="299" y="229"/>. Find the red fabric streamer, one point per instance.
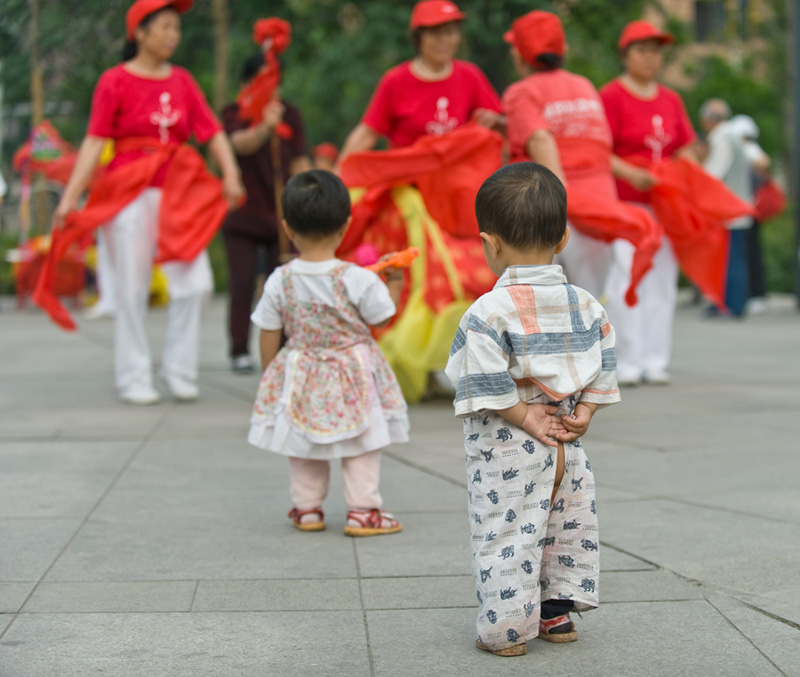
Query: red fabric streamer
<point x="192" y="209"/>
<point x="693" y="207"/>
<point x="273" y="35"/>
<point x="607" y="220"/>
<point x="448" y="170"/>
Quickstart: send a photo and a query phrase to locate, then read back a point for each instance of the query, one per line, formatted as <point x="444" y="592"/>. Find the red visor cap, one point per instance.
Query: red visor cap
<point x="537" y="33"/>
<point x="430" y="13"/>
<point x="141" y="8"/>
<point x="326" y="150"/>
<point x="636" y="31"/>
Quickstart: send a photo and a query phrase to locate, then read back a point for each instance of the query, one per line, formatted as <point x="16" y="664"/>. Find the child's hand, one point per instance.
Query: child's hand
<point x="542" y="423"/>
<point x="577" y="425"/>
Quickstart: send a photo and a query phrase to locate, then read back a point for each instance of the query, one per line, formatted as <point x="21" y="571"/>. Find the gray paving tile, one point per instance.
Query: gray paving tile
<point x="111" y="597"/>
<point x="779" y="641"/>
<point x="213" y="644"/>
<point x="429" y="545"/>
<point x="614" y="560"/>
<point x="59" y="479"/>
<point x="325" y="594"/>
<point x="160" y="546"/>
<point x="645" y="586"/>
<point x="31" y="546"/>
<point x="431" y="493"/>
<point x="12" y="596"/>
<point x="718" y="548"/>
<point x="5" y="620"/>
<point x="419" y="593"/>
<point x="658" y="639"/>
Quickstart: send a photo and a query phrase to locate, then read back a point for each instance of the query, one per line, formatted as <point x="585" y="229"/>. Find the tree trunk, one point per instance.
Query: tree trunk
<point x="220" y="12"/>
<point x="40" y="206"/>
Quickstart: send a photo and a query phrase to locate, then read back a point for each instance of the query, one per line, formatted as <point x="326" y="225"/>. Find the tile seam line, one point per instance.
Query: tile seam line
<point x="750" y="641"/>
<point x="137" y="450"/>
<point x="421" y="468"/>
<point x="363" y="609"/>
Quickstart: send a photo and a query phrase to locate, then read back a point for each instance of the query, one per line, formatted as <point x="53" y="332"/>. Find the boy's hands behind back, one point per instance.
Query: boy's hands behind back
<point x="577" y="425"/>
<point x="542" y="423"/>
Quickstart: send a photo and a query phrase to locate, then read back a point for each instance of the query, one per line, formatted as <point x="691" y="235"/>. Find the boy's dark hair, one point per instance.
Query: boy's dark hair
<point x="315" y="203"/>
<point x="525" y="204"/>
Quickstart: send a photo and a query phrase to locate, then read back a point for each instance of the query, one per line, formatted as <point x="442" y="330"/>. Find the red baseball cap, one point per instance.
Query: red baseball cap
<point x="636" y="31"/>
<point x="430" y="13"/>
<point x="141" y="8"/>
<point x="326" y="150"/>
<point x="537" y="33"/>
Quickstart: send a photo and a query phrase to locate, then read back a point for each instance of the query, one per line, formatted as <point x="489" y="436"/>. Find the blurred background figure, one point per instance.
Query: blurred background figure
<point x="747" y="129"/>
<point x="727" y="160"/>
<point x="251" y="232"/>
<point x="649" y="123"/>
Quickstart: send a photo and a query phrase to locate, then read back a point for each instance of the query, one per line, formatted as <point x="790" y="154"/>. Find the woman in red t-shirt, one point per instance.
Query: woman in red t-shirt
<point x="149" y="108"/>
<point x="648" y="123"/>
<point x="434" y="93"/>
<point x="556" y="118"/>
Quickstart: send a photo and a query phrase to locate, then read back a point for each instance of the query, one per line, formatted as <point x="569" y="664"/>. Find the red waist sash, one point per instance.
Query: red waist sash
<point x="192" y="209"/>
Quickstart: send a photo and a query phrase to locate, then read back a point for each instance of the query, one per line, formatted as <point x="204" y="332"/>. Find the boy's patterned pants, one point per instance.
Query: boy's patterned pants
<point x="525" y="550"/>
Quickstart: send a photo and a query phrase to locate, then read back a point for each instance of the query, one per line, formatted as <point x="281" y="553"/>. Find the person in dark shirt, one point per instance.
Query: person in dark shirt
<point x="255" y="226"/>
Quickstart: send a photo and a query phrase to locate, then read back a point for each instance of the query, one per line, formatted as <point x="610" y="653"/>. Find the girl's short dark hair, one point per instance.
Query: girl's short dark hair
<point x="130" y="49"/>
<point x="316" y="203"/>
<point x="524" y="204"/>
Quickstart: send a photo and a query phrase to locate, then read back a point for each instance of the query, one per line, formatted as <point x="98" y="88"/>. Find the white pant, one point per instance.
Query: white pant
<point x="585" y="262"/>
<point x="644" y="331"/>
<point x="104" y="274"/>
<point x="132" y="239"/>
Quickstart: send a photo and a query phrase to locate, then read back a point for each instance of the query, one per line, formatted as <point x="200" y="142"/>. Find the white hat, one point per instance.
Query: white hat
<point x="744" y="126"/>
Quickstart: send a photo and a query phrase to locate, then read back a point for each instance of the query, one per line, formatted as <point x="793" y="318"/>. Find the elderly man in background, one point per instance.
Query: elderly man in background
<point x="727" y="160"/>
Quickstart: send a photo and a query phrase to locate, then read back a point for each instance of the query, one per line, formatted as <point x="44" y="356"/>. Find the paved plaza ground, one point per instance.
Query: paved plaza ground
<point x="153" y="541"/>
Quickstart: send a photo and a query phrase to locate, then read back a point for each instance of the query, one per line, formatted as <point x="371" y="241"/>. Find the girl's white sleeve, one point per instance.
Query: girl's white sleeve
<point x="369" y="294"/>
<point x="267" y="314"/>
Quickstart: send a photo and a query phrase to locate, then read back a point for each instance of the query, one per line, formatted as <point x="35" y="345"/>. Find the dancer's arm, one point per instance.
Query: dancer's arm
<point x="88" y="156"/>
<point x="221" y="151"/>
<point x="248" y="141"/>
<point x="542" y="148"/>
<point x="362" y="138"/>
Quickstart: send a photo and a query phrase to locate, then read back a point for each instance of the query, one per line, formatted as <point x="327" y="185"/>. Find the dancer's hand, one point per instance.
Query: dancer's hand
<point x="486" y="118"/>
<point x="66" y="206"/>
<point x="273" y="114"/>
<point x="577" y="425"/>
<point x="542" y="423"/>
<point x="641" y="179"/>
<point x="233" y="191"/>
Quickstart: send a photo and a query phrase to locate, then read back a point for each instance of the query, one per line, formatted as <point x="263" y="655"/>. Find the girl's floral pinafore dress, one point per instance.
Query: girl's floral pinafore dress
<point x="329" y="392"/>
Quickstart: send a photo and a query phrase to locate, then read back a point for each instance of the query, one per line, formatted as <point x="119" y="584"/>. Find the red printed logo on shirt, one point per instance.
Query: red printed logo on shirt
<point x="166" y="117"/>
<point x="442" y="122"/>
<point x="659" y="139"/>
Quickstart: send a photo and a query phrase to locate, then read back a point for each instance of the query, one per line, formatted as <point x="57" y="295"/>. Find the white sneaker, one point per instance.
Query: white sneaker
<point x="757" y="305"/>
<point x="181" y="389"/>
<point x="140" y="395"/>
<point x="242" y="364"/>
<point x="657" y="377"/>
<point x="97" y="312"/>
<point x="628" y="379"/>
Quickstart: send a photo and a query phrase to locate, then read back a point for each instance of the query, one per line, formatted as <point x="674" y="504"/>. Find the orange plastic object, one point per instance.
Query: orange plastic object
<point x="402" y="259"/>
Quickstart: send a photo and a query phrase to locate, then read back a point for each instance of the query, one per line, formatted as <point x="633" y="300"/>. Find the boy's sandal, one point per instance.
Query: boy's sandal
<point x="558" y="629"/>
<point x="516" y="650"/>
<point x="370" y="523"/>
<point x="308" y="525"/>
